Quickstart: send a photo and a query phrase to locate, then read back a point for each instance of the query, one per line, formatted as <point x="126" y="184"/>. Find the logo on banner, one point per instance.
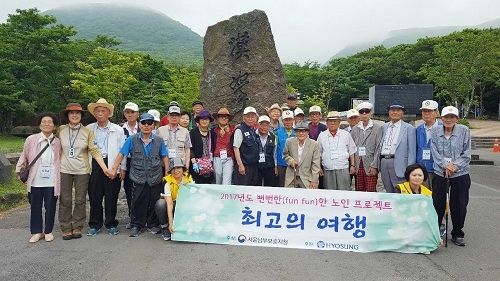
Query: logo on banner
<point x="242" y="238"/>
<point x="320" y="244"/>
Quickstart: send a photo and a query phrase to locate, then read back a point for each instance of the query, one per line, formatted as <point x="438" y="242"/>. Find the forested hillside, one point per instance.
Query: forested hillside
<point x="137" y="28"/>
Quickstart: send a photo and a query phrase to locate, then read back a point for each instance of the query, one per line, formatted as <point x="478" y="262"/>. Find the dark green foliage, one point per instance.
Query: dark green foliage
<point x="138" y="30"/>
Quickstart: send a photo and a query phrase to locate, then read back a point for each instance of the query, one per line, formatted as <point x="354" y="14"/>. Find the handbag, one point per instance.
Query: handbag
<point x="23" y="175"/>
<point x="205" y="162"/>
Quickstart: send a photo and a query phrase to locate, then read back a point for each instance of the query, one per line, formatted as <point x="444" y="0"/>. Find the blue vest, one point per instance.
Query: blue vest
<point x="282" y="136"/>
<point x="422" y="144"/>
<point x="249" y="149"/>
<point x="143" y="168"/>
<point x="268" y="150"/>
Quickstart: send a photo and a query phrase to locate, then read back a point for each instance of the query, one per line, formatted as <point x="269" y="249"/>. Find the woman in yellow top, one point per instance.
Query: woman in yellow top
<point x="165" y="207"/>
<point x="415" y="175"/>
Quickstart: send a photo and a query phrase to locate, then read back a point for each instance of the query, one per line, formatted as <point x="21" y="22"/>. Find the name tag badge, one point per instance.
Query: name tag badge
<point x="223" y="154"/>
<point x="171" y="153"/>
<point x="45" y="171"/>
<point x="334" y="155"/>
<point x="426" y="154"/>
<point x="262" y="157"/>
<point x="386" y="149"/>
<point x="447" y="160"/>
<point x="71" y="153"/>
<point x="362" y="151"/>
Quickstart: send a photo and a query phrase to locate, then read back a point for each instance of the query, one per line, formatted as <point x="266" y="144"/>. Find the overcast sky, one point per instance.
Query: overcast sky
<point x="308" y="29"/>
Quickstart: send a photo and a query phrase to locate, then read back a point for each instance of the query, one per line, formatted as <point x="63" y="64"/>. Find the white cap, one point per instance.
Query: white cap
<point x="264" y="118"/>
<point x="364" y="105"/>
<point x="155" y="113"/>
<point x="249" y="109"/>
<point x="449" y="110"/>
<point x="314" y="108"/>
<point x="299" y="111"/>
<point x="352" y="112"/>
<point x="132" y="106"/>
<point x="429" y="104"/>
<point x="174" y="109"/>
<point x="286" y="114"/>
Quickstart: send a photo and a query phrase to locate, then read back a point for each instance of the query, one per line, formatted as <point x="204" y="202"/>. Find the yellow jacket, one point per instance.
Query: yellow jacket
<point x="174" y="186"/>
<point x="404" y="188"/>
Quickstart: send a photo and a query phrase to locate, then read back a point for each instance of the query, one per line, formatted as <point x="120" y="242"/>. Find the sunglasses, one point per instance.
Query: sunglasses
<point x="364" y="111"/>
<point x="147" y="122"/>
<point x="223" y="116"/>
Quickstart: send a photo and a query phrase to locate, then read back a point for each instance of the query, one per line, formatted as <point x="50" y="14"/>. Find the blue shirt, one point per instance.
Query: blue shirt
<point x="127" y="146"/>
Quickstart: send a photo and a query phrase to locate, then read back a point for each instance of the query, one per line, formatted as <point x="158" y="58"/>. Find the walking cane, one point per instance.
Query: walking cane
<point x="447" y="210"/>
<point x="294" y="177"/>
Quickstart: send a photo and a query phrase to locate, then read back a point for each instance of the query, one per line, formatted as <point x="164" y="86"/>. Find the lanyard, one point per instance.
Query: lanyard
<point x="71" y="144"/>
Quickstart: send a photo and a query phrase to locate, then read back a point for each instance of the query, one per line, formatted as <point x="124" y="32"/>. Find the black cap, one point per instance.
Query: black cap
<point x="197" y="102"/>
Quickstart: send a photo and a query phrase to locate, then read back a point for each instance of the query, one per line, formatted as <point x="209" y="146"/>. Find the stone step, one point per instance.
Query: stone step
<point x="483" y="142"/>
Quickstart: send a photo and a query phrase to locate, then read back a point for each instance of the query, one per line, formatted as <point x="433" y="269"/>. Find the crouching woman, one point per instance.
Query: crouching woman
<point x="165" y="207"/>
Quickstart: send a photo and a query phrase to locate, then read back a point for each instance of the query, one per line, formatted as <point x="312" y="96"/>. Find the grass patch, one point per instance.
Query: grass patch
<point x="13" y="187"/>
<point x="11" y="144"/>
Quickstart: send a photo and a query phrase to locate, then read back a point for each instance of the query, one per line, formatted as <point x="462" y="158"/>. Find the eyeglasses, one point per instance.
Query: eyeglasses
<point x="223" y="116"/>
<point x="364" y="111"/>
<point x="47" y="123"/>
<point x="147" y="122"/>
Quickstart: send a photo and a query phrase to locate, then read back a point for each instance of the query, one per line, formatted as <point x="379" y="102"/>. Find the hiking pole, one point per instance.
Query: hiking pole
<point x="447" y="210"/>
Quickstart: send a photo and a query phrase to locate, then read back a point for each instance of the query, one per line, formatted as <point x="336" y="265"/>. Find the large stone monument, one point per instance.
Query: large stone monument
<point x="5" y="170"/>
<point x="241" y="66"/>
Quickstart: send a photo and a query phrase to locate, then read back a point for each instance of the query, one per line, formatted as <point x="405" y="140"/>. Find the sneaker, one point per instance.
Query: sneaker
<point x="459" y="241"/>
<point x="134" y="231"/>
<point x="442" y="231"/>
<point x="93" y="231"/>
<point x="129" y="225"/>
<point x="113" y="231"/>
<point x="165" y="234"/>
<point x="154" y="230"/>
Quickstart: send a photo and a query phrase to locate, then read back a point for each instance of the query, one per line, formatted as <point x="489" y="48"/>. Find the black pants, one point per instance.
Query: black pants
<point x="459" y="198"/>
<point x="267" y="177"/>
<point x="101" y="187"/>
<point x="250" y="177"/>
<point x="144" y="198"/>
<point x="127" y="187"/>
<point x="37" y="197"/>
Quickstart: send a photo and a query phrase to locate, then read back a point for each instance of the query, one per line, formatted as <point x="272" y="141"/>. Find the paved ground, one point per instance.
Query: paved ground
<point x="148" y="257"/>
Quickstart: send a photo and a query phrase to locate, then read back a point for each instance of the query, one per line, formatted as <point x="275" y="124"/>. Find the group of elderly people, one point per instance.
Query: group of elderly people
<point x="277" y="148"/>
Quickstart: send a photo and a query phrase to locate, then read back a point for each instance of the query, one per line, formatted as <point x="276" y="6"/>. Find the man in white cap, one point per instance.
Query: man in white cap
<point x="281" y="136"/>
<point x="298" y="115"/>
<point x="246" y="150"/>
<point x="337" y="150"/>
<point x="398" y="147"/>
<point x="451" y="151"/>
<point x="274" y="113"/>
<point x="131" y="127"/>
<point x="156" y="115"/>
<point x="352" y="119"/>
<point x="430" y="113"/>
<point x="315" y="126"/>
<point x="267" y="169"/>
<point x="109" y="138"/>
<point x="367" y="135"/>
<point x="176" y="137"/>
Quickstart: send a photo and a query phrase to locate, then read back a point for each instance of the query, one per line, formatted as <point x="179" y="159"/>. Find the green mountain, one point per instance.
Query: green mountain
<point x="139" y="29"/>
<point x="408" y="36"/>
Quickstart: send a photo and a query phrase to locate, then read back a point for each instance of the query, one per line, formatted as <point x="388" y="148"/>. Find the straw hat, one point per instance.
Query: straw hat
<point x="102" y="103"/>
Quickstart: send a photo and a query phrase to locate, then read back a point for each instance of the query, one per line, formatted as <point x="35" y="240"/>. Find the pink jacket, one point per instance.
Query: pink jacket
<point x="31" y="150"/>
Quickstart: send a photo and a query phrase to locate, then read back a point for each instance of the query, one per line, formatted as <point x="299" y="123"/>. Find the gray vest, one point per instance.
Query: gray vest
<point x="180" y="140"/>
<point x="143" y="168"/>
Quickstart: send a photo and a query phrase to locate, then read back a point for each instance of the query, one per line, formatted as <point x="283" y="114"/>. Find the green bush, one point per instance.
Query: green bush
<point x="465" y="123"/>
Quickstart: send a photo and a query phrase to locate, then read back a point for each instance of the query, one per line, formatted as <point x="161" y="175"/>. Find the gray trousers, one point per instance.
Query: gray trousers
<point x="388" y="174"/>
<point x="337" y="179"/>
<point x="223" y="170"/>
